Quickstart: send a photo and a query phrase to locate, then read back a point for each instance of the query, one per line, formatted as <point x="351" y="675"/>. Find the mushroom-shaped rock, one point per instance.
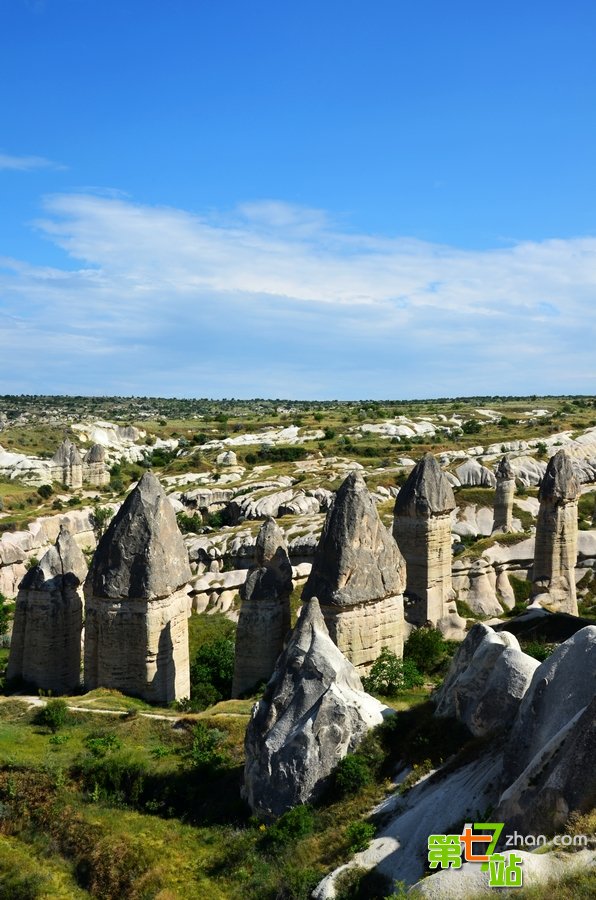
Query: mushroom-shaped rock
<point x="95" y="470"/>
<point x="486" y="682"/>
<point x="46" y="641"/>
<point x="136" y="632"/>
<point x="553" y="580"/>
<point x="422" y="529"/>
<point x="314" y="712"/>
<point x="358" y="574"/>
<point x="264" y="619"/>
<point x="504" y="493"/>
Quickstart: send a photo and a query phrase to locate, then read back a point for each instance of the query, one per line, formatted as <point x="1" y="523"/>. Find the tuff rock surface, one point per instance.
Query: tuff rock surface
<point x="46" y="640"/>
<point x="264" y="619"/>
<point x="422" y="529"/>
<point x="136" y="630"/>
<point x="358" y="575"/>
<point x="488" y="677"/>
<point x="555" y="555"/>
<point x="504" y="494"/>
<point x="314" y="711"/>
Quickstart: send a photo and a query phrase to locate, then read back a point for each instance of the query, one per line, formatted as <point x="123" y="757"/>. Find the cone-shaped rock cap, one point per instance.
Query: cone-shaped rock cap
<point x="64" y="562"/>
<point x="357" y="559"/>
<point x="270" y="541"/>
<point x="504" y="471"/>
<point x="142" y="553"/>
<point x="560" y="481"/>
<point x="271" y="577"/>
<point x="96" y="454"/>
<point x="311" y="650"/>
<point x="427" y="491"/>
<point x="67" y="454"/>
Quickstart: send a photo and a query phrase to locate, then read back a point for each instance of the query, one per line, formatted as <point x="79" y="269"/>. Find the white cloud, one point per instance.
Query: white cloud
<point x="26" y="163"/>
<point x="271" y="295"/>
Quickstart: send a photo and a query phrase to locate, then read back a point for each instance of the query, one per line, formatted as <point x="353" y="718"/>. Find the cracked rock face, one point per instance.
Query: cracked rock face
<point x="264" y="619"/>
<point x="136" y="631"/>
<point x="553" y="580"/>
<point x="422" y="529"/>
<point x="358" y="575"/>
<point x="46" y="641"/>
<point x="314" y="711"/>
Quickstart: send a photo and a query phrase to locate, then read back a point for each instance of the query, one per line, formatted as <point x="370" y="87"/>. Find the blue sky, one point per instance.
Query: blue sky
<point x="297" y="199"/>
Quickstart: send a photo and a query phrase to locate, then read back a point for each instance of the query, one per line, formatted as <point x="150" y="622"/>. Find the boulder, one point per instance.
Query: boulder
<point x="314" y="712"/>
<point x="486" y="682"/>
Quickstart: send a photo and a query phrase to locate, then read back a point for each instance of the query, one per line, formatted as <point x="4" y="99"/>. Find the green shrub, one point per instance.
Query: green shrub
<point x="189" y="524"/>
<point x="540" y="650"/>
<point x="390" y="675"/>
<point x="428" y="650"/>
<point x="296" y="823"/>
<point x="359" y="835"/>
<point x="4" y="615"/>
<point x="211" y="673"/>
<point x="100" y="518"/>
<point x="99" y="743"/>
<point x="352" y="773"/>
<point x="54" y="715"/>
<point x="45" y="491"/>
<point x="204" y="753"/>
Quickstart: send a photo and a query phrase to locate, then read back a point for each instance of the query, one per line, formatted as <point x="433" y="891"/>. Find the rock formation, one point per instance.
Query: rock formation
<point x="264" y="619"/>
<point x="67" y="465"/>
<point x="422" y="529"/>
<point x="95" y="470"/>
<point x="358" y="574"/>
<point x="549" y="759"/>
<point x="503" y="518"/>
<point x="136" y="629"/>
<point x="312" y="714"/>
<point x="488" y="677"/>
<point x="46" y="640"/>
<point x="555" y="555"/>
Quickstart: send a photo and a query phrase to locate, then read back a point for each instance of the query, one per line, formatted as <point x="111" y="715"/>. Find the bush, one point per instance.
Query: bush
<point x="296" y="823"/>
<point x="352" y="774"/>
<point x="99" y="743"/>
<point x="45" y="491"/>
<point x="100" y="518"/>
<point x="4" y="615"/>
<point x="189" y="524"/>
<point x="211" y="673"/>
<point x="359" y="835"/>
<point x="204" y="753"/>
<point x="54" y="715"/>
<point x="390" y="675"/>
<point x="427" y="649"/>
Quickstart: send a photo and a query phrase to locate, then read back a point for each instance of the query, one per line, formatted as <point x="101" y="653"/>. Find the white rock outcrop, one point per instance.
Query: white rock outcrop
<point x="314" y="712"/>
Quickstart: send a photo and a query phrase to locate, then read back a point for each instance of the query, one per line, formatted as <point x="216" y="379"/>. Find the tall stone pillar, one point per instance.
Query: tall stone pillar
<point x="422" y="529"/>
<point x="358" y="575"/>
<point x="45" y="649"/>
<point x="555" y="556"/>
<point x="264" y="619"/>
<point x="503" y="513"/>
<point x="136" y="624"/>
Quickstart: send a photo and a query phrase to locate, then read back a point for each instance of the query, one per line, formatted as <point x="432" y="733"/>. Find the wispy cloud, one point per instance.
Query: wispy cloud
<point x="274" y="299"/>
<point x="26" y="163"/>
